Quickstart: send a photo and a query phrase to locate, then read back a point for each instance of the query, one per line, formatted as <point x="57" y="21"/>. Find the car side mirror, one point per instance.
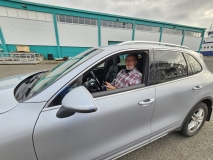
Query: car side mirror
<point x="77" y="100"/>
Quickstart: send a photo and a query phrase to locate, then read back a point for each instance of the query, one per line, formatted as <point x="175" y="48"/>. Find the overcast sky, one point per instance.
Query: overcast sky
<point x="197" y="13"/>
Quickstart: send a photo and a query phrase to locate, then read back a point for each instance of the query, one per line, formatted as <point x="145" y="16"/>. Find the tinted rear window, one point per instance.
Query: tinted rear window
<point x="169" y="65"/>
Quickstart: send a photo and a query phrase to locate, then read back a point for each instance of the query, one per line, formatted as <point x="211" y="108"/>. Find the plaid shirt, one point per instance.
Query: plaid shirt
<point x="124" y="79"/>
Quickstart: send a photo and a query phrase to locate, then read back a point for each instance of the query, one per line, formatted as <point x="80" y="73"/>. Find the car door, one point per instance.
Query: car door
<point x="176" y="92"/>
<point x="121" y="122"/>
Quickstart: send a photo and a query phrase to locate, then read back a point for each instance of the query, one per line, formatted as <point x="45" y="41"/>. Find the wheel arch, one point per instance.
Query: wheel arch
<point x="208" y="101"/>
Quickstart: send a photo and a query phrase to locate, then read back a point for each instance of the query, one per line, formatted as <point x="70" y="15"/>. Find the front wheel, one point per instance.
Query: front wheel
<point x="195" y="120"/>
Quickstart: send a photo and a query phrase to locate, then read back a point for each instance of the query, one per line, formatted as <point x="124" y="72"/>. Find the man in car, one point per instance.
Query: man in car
<point x="126" y="77"/>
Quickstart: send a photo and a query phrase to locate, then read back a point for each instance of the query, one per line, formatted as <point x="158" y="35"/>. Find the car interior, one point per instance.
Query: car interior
<point x="106" y="71"/>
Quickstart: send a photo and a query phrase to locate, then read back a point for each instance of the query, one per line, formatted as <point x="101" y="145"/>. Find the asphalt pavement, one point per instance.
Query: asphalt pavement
<point x="171" y="147"/>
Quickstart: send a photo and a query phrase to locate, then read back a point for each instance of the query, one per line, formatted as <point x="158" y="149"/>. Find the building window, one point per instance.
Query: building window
<point x="81" y="20"/>
<point x="211" y="46"/>
<point x="114" y="24"/>
<point x="61" y="18"/>
<point x="69" y="19"/>
<point x="129" y="26"/>
<point x="93" y="22"/>
<point x="87" y="21"/>
<point x="109" y="24"/>
<point x="120" y="25"/>
<point x="76" y="20"/>
<point x="104" y="23"/>
<point x="147" y="28"/>
<point x="172" y="31"/>
<point x="208" y="47"/>
<point x="204" y="47"/>
<point x="193" y="34"/>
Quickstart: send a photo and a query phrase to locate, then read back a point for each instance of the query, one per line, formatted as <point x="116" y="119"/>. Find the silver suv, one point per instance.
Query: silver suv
<point x="66" y="114"/>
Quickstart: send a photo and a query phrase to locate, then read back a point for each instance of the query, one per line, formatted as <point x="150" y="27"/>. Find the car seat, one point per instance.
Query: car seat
<point x="113" y="70"/>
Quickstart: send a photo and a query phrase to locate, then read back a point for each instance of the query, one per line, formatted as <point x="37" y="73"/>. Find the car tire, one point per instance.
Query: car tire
<point x="195" y="120"/>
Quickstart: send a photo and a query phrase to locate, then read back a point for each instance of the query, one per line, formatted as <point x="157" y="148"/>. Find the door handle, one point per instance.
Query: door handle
<point x="146" y="102"/>
<point x="197" y="87"/>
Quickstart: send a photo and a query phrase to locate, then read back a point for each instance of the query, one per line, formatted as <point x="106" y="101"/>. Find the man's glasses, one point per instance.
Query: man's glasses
<point x="131" y="60"/>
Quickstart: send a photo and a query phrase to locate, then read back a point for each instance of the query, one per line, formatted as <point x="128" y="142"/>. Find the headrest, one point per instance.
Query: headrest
<point x="116" y="60"/>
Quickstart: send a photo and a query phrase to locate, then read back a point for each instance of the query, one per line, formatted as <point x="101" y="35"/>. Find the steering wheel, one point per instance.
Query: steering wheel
<point x="99" y="86"/>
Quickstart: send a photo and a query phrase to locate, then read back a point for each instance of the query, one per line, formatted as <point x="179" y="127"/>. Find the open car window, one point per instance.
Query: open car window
<point x="116" y="62"/>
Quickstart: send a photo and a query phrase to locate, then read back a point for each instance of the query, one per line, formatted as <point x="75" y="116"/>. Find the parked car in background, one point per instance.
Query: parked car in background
<point x="65" y="114"/>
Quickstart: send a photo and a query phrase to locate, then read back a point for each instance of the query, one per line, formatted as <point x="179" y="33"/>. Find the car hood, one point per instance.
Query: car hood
<point x="7" y="86"/>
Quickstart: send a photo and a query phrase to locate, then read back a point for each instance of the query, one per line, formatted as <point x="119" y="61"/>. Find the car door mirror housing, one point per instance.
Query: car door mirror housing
<point x="78" y="100"/>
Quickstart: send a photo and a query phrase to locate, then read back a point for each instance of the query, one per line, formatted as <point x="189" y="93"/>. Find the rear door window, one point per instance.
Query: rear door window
<point x="169" y="65"/>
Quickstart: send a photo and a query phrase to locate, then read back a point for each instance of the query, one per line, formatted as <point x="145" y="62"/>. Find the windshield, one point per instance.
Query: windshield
<point x="60" y="70"/>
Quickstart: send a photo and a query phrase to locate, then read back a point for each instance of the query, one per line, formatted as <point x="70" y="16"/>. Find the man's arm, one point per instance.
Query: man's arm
<point x="136" y="80"/>
<point x="109" y="86"/>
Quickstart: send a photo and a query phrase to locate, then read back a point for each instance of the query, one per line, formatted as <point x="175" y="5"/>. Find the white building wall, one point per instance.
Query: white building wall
<point x="27" y="27"/>
<point x="171" y="38"/>
<point x="77" y="35"/>
<point x="115" y="34"/>
<point x="27" y="32"/>
<point x="147" y="36"/>
<point x="192" y="42"/>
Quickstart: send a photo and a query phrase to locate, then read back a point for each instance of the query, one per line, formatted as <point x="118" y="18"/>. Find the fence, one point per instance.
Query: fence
<point x="20" y="58"/>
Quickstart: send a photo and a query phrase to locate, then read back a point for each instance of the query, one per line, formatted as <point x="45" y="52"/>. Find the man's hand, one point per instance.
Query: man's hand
<point x="109" y="86"/>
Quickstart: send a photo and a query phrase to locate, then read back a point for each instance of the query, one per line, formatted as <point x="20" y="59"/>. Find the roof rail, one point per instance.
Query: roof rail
<point x="150" y="42"/>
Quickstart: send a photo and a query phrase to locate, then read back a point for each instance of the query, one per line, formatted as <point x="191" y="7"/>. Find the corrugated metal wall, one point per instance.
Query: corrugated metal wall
<point x="77" y="35"/>
<point x="27" y="27"/>
<point x="115" y="34"/>
<point x="192" y="42"/>
<point x="171" y="38"/>
<point x="147" y="36"/>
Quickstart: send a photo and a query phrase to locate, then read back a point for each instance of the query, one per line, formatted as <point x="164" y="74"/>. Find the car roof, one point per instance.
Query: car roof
<point x="148" y="45"/>
<point x="142" y="46"/>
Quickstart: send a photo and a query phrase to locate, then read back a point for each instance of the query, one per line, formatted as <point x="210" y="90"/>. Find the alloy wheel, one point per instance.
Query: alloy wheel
<point x="196" y="120"/>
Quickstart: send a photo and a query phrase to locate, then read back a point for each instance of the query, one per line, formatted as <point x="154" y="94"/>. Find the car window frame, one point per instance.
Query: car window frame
<point x="124" y="89"/>
<point x="98" y="62"/>
<point x="151" y="61"/>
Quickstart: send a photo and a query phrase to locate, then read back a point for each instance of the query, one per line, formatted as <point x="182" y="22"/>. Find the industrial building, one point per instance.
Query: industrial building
<point x="58" y="31"/>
